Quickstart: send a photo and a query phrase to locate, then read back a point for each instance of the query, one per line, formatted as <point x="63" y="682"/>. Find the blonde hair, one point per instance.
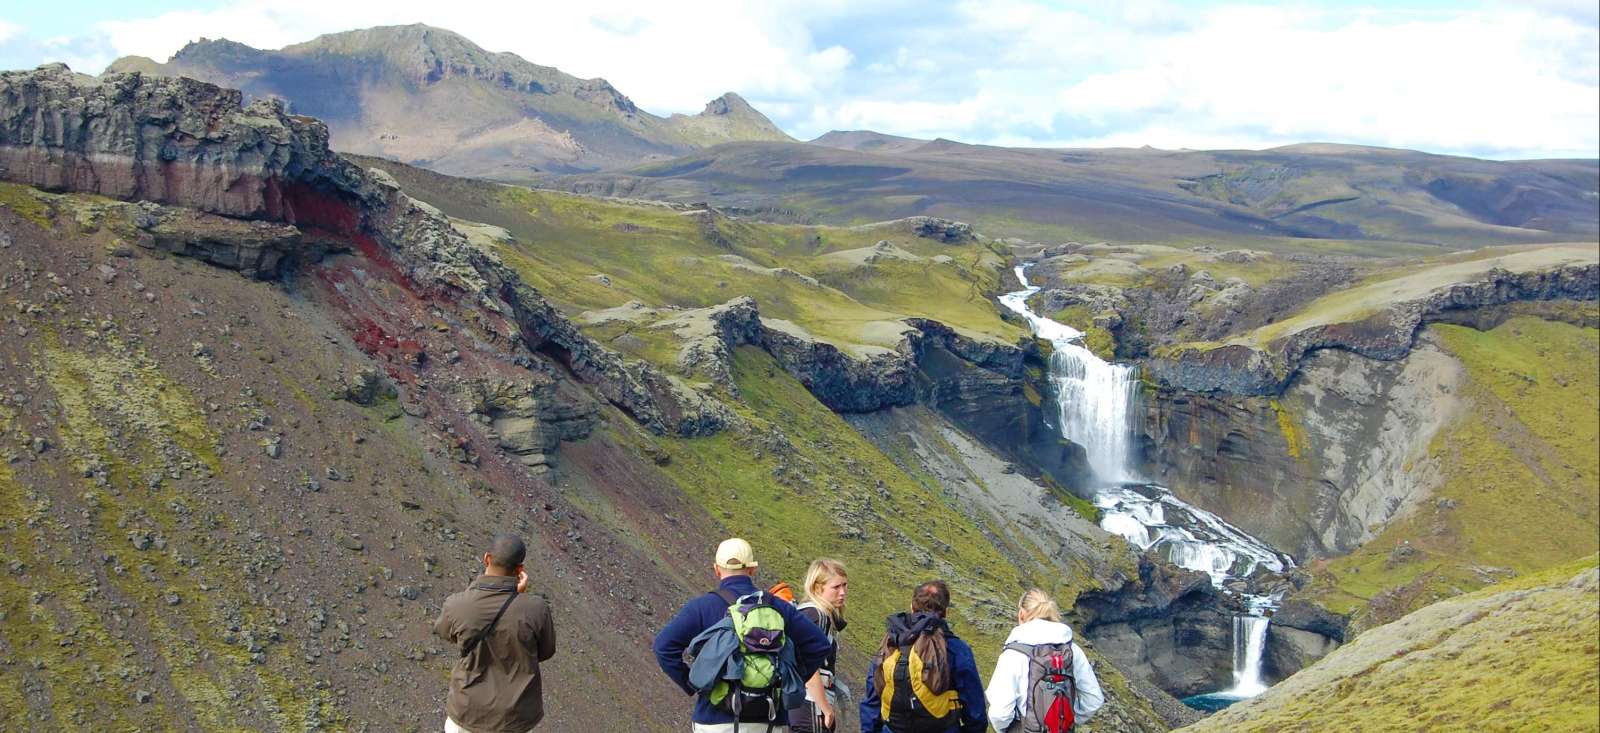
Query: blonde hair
<point x="1037" y="604"/>
<point x="822" y="571"/>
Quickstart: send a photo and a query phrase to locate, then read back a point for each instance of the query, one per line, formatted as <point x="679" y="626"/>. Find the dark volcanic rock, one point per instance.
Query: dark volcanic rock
<point x="1290" y="650"/>
<point x="1307" y="616"/>
<point x="1234" y="369"/>
<point x="979" y="384"/>
<point x="175" y="141"/>
<point x="1173" y="628"/>
<point x="1388" y="335"/>
<point x="943" y="230"/>
<point x="186" y="143"/>
<point x="1169" y="626"/>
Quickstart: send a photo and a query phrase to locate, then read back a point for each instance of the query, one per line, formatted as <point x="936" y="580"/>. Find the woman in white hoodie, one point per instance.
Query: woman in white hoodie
<point x="1038" y="624"/>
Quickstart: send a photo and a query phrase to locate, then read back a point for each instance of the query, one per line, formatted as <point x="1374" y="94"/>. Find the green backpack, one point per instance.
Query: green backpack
<point x="759" y="627"/>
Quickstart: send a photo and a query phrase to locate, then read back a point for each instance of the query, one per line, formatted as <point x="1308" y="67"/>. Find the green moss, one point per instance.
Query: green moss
<point x="1101" y="342"/>
<point x="1031" y="394"/>
<point x="124" y="417"/>
<point x="55" y="629"/>
<point x="1519" y="473"/>
<point x="28" y="204"/>
<point x="1294" y="438"/>
<point x="1412" y="280"/>
<point x="586" y="254"/>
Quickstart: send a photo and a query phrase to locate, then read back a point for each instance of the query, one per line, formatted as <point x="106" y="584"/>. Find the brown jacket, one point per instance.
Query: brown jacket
<point x="497" y="688"/>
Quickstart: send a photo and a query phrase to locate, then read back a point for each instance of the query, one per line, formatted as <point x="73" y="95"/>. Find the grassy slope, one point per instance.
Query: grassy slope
<point x="663" y="257"/>
<point x="1413" y="280"/>
<point x="1520" y="476"/>
<point x="1520" y="656"/>
<point x="800" y="483"/>
<point x="660" y="256"/>
<point x="1118" y="195"/>
<point x="150" y="544"/>
<point x="801" y="479"/>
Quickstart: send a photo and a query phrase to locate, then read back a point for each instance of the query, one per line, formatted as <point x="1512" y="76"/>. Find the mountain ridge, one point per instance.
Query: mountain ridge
<point x="432" y="97"/>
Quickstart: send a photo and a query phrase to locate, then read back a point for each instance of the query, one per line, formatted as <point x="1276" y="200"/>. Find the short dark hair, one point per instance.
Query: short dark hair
<point x="507" y="551"/>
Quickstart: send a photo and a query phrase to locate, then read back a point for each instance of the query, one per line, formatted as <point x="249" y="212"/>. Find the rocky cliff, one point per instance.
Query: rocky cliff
<point x="1244" y="369"/>
<point x="186" y="143"/>
<point x="979" y="384"/>
<point x="190" y="144"/>
<point x="1315" y="470"/>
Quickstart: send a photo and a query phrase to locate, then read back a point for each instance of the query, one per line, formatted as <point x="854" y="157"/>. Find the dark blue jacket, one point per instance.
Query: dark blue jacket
<point x="969" y="690"/>
<point x="811" y="646"/>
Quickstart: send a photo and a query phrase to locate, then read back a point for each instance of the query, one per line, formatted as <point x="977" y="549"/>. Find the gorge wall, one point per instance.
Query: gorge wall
<point x="1315" y="470"/>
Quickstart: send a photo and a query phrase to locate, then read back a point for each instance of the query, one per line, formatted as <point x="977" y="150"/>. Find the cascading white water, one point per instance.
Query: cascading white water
<point x="1095" y="398"/>
<point x="1096" y="403"/>
<point x="1249" y="640"/>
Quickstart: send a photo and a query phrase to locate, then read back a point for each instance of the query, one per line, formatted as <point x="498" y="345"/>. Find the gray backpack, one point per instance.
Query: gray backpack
<point x="1051" y="689"/>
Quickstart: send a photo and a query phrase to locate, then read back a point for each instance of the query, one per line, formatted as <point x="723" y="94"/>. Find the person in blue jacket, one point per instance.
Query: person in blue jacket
<point x="944" y="657"/>
<point x="735" y="568"/>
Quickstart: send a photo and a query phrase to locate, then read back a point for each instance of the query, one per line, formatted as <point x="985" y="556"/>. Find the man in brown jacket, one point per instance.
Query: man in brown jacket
<point x="502" y="634"/>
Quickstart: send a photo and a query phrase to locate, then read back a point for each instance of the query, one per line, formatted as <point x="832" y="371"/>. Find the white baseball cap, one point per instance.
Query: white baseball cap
<point x="735" y="554"/>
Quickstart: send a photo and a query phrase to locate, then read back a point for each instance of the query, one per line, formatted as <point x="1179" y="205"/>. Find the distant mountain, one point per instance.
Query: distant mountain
<point x="431" y="97"/>
<point x="867" y="141"/>
<point x="1355" y="199"/>
<point x="727" y="118"/>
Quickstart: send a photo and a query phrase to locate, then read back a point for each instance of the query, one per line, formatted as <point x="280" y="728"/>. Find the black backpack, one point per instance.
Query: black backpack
<point x="1051" y="688"/>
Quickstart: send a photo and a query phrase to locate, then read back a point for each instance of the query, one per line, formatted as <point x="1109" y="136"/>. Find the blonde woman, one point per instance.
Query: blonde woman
<point x="1023" y="692"/>
<point x="823" y="603"/>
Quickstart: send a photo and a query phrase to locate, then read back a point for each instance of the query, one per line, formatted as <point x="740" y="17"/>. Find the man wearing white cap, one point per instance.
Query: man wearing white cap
<point x="735" y="567"/>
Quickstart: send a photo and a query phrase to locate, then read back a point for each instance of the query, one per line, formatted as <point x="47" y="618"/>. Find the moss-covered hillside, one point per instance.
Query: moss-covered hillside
<point x="1519" y="656"/>
<point x="236" y="505"/>
<point x="1518" y="476"/>
<point x="849" y="286"/>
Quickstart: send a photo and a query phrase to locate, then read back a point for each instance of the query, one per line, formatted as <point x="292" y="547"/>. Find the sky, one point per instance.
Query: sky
<point x="1485" y="78"/>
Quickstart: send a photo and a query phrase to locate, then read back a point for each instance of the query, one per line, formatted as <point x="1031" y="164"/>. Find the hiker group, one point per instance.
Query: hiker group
<point x="756" y="661"/>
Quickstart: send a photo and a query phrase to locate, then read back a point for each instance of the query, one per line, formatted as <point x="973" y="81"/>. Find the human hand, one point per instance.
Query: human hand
<point x="827" y="715"/>
<point x="522" y="581"/>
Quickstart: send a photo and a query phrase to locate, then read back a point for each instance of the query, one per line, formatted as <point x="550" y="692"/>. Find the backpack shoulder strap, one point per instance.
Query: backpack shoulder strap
<point x="484" y="633"/>
<point x="1017" y="646"/>
<point x="727" y="595"/>
<point x="815" y="614"/>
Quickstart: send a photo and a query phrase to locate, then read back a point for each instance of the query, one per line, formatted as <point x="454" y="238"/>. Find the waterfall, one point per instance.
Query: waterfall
<point x="1095" y="406"/>
<point x="1249" y="641"/>
<point x="1095" y="398"/>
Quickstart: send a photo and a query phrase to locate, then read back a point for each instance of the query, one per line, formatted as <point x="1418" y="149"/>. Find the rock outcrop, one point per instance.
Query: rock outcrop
<point x="185" y="143"/>
<point x="1317" y="469"/>
<point x="1388" y="335"/>
<point x="528" y="420"/>
<point x="1300" y="634"/>
<point x="943" y="230"/>
<point x="1169" y="626"/>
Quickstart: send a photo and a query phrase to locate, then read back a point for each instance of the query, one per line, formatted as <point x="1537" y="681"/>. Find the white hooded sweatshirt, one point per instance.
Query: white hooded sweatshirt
<point x="1007" y="692"/>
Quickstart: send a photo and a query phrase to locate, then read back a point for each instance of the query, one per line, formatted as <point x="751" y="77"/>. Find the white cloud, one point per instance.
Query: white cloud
<point x="666" y="56"/>
<point x="1499" y="78"/>
<point x="1499" y="81"/>
<point x="9" y="31"/>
